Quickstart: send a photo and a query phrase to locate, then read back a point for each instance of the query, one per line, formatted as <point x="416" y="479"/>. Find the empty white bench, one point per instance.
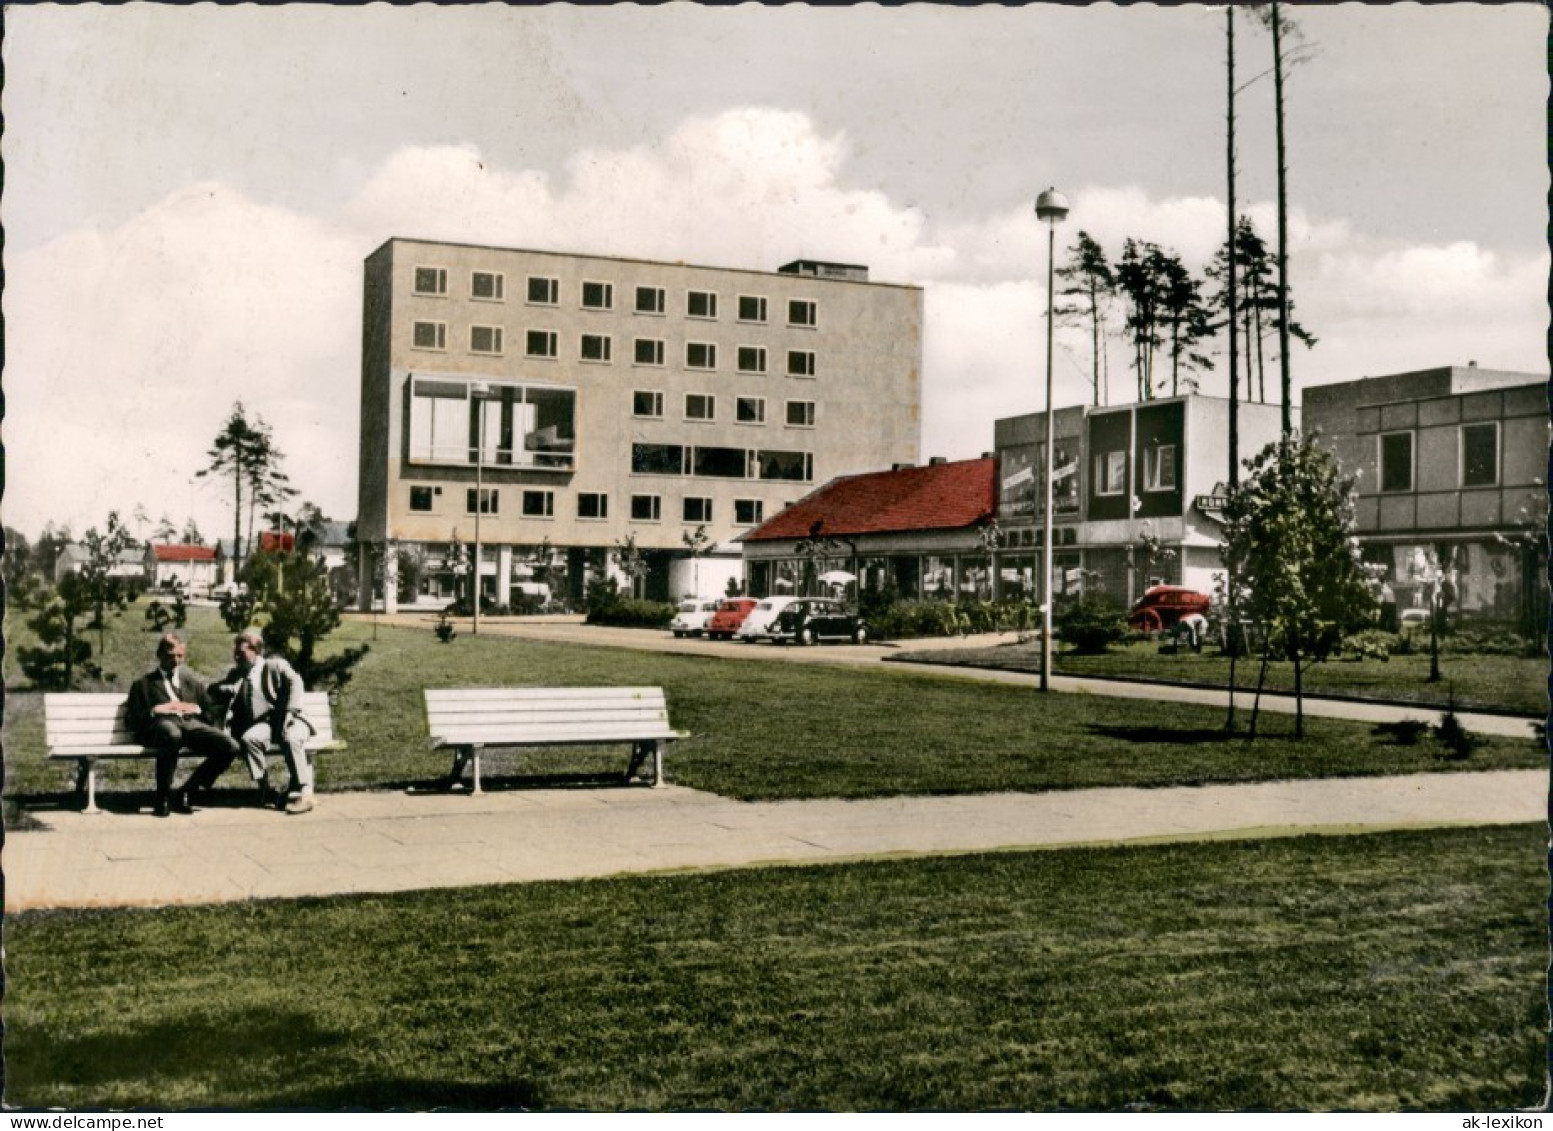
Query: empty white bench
<point x="89" y="726"/>
<point x="470" y="719"/>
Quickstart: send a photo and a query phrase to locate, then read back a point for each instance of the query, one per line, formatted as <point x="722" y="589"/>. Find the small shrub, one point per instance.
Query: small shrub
<point x="1488" y="640"/>
<point x="444" y="629"/>
<point x="1403" y="732"/>
<point x="1371" y="644"/>
<point x="1091" y="624"/>
<point x="1456" y="739"/>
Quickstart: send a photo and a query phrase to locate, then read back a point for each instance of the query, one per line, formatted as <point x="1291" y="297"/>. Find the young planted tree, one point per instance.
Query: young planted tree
<point x="105" y="592"/>
<point x="191" y="534"/>
<point x="1289" y="545"/>
<point x="60" y="654"/>
<point x="697" y="543"/>
<point x="297" y="608"/>
<point x="630" y="561"/>
<point x="1089" y="284"/>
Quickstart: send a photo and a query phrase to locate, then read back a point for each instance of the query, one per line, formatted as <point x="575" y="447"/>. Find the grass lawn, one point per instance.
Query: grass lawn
<point x="771" y="731"/>
<point x="1377" y="972"/>
<point x="1511" y="684"/>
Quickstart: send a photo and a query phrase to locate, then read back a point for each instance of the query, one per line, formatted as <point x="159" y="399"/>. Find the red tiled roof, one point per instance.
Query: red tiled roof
<point x="946" y="496"/>
<point x="179" y="553"/>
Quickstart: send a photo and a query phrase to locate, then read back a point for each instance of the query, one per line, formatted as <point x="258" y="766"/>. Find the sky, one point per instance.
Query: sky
<point x="190" y="193"/>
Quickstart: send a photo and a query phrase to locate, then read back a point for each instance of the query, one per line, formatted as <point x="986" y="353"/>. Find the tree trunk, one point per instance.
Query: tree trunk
<point x="1261" y="681"/>
<point x="1283" y="230"/>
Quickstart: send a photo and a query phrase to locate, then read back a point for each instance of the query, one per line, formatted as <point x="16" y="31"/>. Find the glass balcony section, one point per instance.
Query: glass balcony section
<point x="522" y="426"/>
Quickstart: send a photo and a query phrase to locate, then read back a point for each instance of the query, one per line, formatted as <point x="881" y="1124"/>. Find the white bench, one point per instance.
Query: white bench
<point x="470" y="719"/>
<point x="87" y="726"/>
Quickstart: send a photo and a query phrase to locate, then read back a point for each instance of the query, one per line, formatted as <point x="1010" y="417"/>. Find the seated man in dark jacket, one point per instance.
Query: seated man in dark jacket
<point x="166" y="713"/>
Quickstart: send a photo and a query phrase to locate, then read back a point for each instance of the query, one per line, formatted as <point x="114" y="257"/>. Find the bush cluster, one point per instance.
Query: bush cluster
<point x="629" y="612"/>
<point x="1488" y="640"/>
<point x="1371" y="644"/>
<point x="903" y="620"/>
<point x="1091" y="624"/>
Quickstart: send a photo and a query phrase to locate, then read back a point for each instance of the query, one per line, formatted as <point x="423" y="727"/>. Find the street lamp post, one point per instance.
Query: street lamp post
<point x="478" y="390"/>
<point x="1050" y="206"/>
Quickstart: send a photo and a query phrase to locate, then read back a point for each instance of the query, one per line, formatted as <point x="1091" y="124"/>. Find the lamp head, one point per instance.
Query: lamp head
<point x="1051" y="205"/>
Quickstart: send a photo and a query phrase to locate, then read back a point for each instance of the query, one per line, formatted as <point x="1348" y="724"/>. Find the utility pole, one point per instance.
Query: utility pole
<point x="1283" y="233"/>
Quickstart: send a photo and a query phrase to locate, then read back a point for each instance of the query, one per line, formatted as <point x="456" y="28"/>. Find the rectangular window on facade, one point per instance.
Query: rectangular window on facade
<point x="429" y="335"/>
<point x="649" y="300"/>
<point x="645" y="403"/>
<point x="800" y="414"/>
<point x="598" y="296"/>
<point x="592" y="504"/>
<point x="802" y="312"/>
<point x="752" y="308"/>
<point x="657" y="459"/>
<point x="485" y="339"/>
<point x="1480" y="455"/>
<point x="700" y="406"/>
<point x="1111" y="473"/>
<point x="800" y="363"/>
<point x="538" y="504"/>
<point x="541" y="343"/>
<point x="752" y="359"/>
<point x="486" y="285"/>
<point x="488" y="500"/>
<point x="646" y="508"/>
<point x="421" y="499"/>
<point x="1396" y="461"/>
<point x="720" y="463"/>
<point x="544" y="291"/>
<point x="431" y="281"/>
<point x="700" y="355"/>
<point x="697" y="510"/>
<point x="1159" y="468"/>
<point x="649" y="351"/>
<point x="794" y="466"/>
<point x="750" y="410"/>
<point x="595" y="347"/>
<point x="748" y="512"/>
<point x="701" y="304"/>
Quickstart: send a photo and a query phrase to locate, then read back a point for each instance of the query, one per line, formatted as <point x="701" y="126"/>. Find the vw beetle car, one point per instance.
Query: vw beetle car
<point x="1164" y="605"/>
<point x="730" y="614"/>
<point x="761" y="618"/>
<point x="692" y="617"/>
<point x="810" y="620"/>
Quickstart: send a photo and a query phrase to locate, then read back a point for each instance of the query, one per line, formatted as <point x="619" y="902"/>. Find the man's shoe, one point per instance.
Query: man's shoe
<point x="301" y="803"/>
<point x="181" y="802"/>
<point x="162" y="809"/>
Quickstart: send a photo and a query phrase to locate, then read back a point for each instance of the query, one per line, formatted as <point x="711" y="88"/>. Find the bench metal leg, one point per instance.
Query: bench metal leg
<point x="474" y="757"/>
<point x="657" y="763"/>
<point x="86" y="781"/>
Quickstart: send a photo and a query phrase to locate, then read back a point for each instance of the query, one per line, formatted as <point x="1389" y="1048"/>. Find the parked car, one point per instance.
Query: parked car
<point x="758" y="621"/>
<point x="1162" y="606"/>
<point x="810" y="620"/>
<point x="692" y="617"/>
<point x="730" y="614"/>
<point x="1414" y="618"/>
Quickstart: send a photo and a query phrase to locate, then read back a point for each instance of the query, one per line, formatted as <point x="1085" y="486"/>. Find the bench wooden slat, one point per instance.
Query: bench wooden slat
<point x="469" y="718"/>
<point x="89" y="726"/>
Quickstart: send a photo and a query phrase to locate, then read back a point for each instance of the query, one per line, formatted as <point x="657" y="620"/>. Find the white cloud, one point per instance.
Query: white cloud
<point x="127" y="346"/>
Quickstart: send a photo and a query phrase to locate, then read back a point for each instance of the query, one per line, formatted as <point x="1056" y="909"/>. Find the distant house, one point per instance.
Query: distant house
<point x="131" y="564"/>
<point x="190" y="567"/>
<point x="916" y="531"/>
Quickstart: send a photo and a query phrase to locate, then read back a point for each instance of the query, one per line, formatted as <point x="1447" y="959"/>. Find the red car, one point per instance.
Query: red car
<point x="729" y="616"/>
<point x="1164" y="605"/>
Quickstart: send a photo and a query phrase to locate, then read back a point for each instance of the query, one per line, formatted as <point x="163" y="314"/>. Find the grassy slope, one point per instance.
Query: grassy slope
<point x="1387" y="971"/>
<point x="1511" y="684"/>
<point x="764" y="731"/>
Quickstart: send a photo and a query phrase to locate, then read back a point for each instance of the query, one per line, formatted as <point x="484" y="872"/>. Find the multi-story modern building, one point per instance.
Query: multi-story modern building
<point x="566" y="403"/>
<point x="1450" y="465"/>
<point x="1133" y="491"/>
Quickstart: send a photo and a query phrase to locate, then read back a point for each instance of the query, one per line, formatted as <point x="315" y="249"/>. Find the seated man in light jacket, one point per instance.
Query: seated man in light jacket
<point x="264" y="705"/>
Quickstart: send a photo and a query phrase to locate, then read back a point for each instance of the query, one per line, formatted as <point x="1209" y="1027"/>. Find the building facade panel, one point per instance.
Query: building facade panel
<point x="597" y="398"/>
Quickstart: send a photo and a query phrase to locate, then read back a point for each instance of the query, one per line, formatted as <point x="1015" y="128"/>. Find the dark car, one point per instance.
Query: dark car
<point x="729" y="616"/>
<point x="1163" y="606"/>
<point x="810" y="620"/>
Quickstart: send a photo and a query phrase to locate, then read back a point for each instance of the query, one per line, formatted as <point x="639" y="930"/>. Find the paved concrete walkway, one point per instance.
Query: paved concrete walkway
<point x="383" y="842"/>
